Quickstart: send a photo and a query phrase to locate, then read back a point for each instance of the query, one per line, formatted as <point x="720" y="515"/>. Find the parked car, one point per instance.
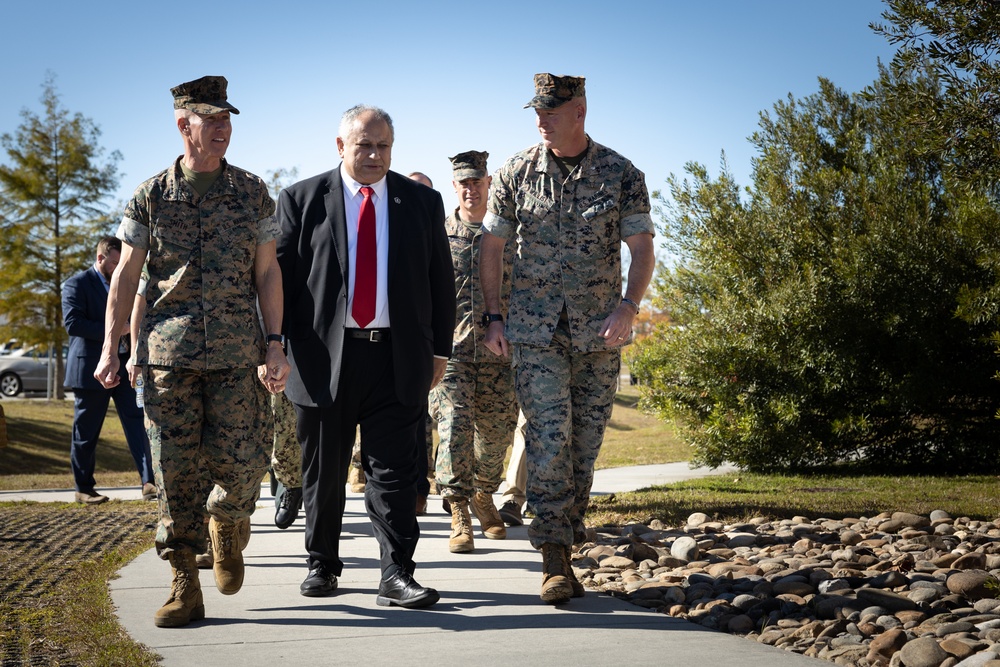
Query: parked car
<point x="9" y="347"/>
<point x="23" y="370"/>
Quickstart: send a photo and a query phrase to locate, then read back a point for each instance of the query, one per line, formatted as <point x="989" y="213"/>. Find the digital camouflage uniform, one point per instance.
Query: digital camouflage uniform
<point x="567" y="280"/>
<point x="199" y="346"/>
<point x="474" y="403"/>
<point x="286" y="454"/>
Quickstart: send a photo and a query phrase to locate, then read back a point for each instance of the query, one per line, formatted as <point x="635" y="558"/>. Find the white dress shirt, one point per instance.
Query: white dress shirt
<point x="352" y="211"/>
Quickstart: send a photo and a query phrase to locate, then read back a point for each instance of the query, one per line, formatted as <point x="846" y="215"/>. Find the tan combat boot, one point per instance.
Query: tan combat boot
<point x="578" y="590"/>
<point x="461" y="526"/>
<point x="556" y="586"/>
<point x="489" y="518"/>
<point x="206" y="560"/>
<point x="185" y="603"/>
<point x="356" y="479"/>
<point x="228" y="542"/>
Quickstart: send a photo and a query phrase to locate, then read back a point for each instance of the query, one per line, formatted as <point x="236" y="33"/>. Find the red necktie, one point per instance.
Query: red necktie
<point x="366" y="272"/>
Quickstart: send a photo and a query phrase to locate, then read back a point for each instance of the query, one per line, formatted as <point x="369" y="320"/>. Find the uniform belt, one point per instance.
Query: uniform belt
<point x="370" y="335"/>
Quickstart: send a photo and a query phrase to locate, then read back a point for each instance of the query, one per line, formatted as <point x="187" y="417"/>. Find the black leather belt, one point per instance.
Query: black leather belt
<point x="370" y="335"/>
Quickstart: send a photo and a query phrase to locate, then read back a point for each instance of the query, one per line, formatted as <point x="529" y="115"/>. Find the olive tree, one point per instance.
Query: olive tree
<point x="814" y="315"/>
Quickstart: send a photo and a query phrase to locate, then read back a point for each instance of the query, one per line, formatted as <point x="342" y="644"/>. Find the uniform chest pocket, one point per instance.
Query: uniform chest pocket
<point x="171" y="236"/>
<point x="601" y="221"/>
<point x="239" y="233"/>
<point x="461" y="254"/>
<point x="535" y="215"/>
<point x="536" y="205"/>
<point x="599" y="207"/>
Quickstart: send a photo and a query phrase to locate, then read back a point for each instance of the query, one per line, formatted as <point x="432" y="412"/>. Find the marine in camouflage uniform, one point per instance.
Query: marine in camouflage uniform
<point x="286" y="459"/>
<point x="206" y="230"/>
<point x="286" y="455"/>
<point x="474" y="404"/>
<point x="570" y="202"/>
<point x="286" y="462"/>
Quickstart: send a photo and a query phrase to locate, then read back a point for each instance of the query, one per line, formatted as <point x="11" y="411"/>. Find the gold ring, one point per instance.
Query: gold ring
<point x="621" y="338"/>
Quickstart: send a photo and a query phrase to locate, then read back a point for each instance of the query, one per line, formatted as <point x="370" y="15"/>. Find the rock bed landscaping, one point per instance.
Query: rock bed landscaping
<point x="893" y="590"/>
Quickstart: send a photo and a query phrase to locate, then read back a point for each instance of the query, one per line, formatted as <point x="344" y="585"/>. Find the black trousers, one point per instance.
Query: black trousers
<point x="423" y="482"/>
<point x="366" y="395"/>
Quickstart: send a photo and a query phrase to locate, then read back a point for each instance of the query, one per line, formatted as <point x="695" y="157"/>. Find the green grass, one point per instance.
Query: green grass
<point x="37" y="456"/>
<point x="635" y="438"/>
<point x="740" y="496"/>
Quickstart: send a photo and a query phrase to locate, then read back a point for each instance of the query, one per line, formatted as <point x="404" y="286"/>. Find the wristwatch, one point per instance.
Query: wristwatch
<point x="276" y="338"/>
<point x="632" y="303"/>
<point x="491" y="317"/>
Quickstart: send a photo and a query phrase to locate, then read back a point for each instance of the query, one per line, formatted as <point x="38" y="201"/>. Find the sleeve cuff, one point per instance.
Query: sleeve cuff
<point x="498" y="226"/>
<point x="641" y="223"/>
<point x="134" y="233"/>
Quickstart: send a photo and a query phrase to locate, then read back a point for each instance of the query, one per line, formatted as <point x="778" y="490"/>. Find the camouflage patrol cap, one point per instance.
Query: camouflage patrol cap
<point x="552" y="91"/>
<point x="206" y="95"/>
<point x="470" y="164"/>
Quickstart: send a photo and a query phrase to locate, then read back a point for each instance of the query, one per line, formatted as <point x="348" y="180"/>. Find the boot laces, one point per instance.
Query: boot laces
<point x="460" y="515"/>
<point x="183" y="580"/>
<point x="227" y="533"/>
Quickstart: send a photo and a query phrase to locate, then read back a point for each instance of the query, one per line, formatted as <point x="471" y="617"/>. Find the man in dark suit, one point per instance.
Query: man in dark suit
<point x="369" y="314"/>
<point x="84" y="300"/>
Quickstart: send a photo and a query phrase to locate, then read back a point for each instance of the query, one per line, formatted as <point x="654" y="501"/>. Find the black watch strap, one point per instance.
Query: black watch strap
<point x="277" y="338"/>
<point x="491" y="317"/>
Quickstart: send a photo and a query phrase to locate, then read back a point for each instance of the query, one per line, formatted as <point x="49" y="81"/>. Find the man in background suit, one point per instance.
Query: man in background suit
<point x="369" y="314"/>
<point x="84" y="300"/>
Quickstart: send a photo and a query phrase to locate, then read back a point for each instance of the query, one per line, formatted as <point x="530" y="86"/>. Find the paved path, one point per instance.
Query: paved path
<point x="489" y="613"/>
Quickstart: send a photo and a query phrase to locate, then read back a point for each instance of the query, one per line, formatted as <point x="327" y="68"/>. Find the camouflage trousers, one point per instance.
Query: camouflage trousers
<point x="567" y="398"/>
<point x="208" y="432"/>
<point x="476" y="414"/>
<point x="286" y="454"/>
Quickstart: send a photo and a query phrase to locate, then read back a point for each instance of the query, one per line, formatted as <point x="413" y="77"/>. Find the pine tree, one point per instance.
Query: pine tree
<point x="53" y="189"/>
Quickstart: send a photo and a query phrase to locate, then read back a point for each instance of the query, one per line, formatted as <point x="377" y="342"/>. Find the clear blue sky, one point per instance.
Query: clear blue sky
<point x="668" y="81"/>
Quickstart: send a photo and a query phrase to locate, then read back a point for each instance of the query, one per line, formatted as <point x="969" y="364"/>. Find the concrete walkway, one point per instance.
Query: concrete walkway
<point x="489" y="613"/>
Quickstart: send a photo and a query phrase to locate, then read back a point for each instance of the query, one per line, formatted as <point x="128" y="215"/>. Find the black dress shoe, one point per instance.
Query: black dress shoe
<point x="288" y="507"/>
<point x="320" y="583"/>
<point x="400" y="589"/>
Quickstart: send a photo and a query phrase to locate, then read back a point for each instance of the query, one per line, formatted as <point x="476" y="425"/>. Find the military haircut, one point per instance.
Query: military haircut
<point x="107" y="244"/>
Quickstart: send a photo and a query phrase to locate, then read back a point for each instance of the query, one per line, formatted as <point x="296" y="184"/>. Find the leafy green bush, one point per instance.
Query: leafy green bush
<point x="815" y="316"/>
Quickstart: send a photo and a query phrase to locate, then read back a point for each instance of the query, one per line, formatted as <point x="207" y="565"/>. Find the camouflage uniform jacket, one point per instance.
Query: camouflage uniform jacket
<point x="569" y="236"/>
<point x="201" y="297"/>
<point x="469" y="333"/>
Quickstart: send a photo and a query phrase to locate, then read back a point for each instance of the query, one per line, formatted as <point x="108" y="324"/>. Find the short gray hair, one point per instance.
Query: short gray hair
<point x="354" y="112"/>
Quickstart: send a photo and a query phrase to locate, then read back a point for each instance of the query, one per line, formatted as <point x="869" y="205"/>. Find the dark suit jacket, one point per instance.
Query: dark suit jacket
<point x="312" y="253"/>
<point x="84" y="301"/>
